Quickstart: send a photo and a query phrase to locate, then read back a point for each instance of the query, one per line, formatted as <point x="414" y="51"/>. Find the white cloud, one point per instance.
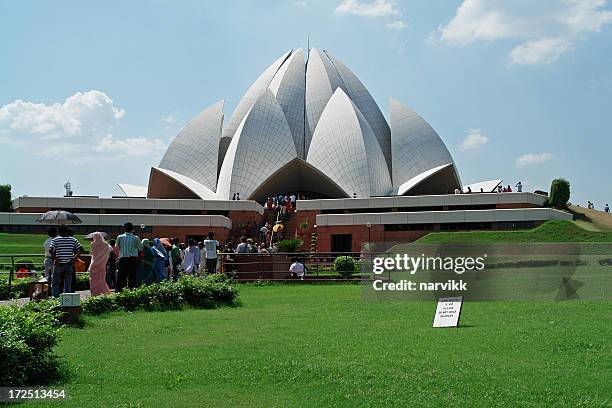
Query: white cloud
<point x="544" y="30"/>
<point x="169" y="119"/>
<point x="81" y="114"/>
<point x="301" y="3"/>
<point x="137" y="146"/>
<point x="474" y="141"/>
<point x="533" y="158"/>
<point x="78" y="129"/>
<point x="396" y="25"/>
<point x="377" y="8"/>
<point x="544" y="51"/>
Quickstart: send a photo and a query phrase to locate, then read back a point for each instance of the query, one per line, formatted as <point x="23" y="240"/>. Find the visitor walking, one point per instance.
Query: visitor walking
<point x="175" y="258"/>
<point x="211" y="245"/>
<point x="64" y="249"/>
<point x="202" y="254"/>
<point x="607" y="208"/>
<point x="111" y="265"/>
<point x="48" y="258"/>
<point x="161" y="261"/>
<point x="130" y="248"/>
<point x="191" y="263"/>
<point x="147" y="264"/>
<point x="97" y="268"/>
<point x="263" y="232"/>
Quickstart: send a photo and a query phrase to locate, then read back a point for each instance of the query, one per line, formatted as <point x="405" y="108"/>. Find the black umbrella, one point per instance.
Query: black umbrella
<point x="58" y="217"/>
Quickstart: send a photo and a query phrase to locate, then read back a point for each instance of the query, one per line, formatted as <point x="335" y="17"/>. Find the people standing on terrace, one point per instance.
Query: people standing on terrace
<point x="519" y="187"/>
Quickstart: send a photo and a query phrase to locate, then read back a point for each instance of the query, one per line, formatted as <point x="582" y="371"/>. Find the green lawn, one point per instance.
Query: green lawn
<point x="28" y="243"/>
<point x="313" y="346"/>
<point x="550" y="231"/>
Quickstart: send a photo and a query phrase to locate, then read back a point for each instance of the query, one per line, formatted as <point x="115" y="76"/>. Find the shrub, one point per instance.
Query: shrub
<point x="188" y="290"/>
<point x="289" y="245"/>
<point x="96" y="305"/>
<point x="345" y="266"/>
<point x="559" y="193"/>
<point x="24" y="263"/>
<point x="19" y="288"/>
<point x="28" y="335"/>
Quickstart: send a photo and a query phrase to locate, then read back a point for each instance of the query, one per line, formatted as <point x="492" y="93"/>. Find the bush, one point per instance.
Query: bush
<point x="101" y="304"/>
<point x="19" y="286"/>
<point x="24" y="263"/>
<point x="559" y="193"/>
<point x="27" y="337"/>
<point x="188" y="290"/>
<point x="345" y="266"/>
<point x="288" y="245"/>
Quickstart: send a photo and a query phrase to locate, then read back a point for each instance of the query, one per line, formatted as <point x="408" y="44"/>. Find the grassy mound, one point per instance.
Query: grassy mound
<point x="550" y="231"/>
<point x="28" y="243"/>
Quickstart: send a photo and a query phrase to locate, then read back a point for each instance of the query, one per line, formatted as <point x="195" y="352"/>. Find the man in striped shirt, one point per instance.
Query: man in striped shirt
<point x="63" y="249"/>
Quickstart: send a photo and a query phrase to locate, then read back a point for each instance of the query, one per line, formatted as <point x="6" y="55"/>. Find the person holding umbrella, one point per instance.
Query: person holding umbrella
<point x="64" y="249"/>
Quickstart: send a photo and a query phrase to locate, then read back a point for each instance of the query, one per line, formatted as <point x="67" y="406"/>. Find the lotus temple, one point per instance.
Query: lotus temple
<point x="308" y="126"/>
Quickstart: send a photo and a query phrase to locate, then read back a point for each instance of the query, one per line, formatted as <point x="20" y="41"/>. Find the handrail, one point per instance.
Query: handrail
<point x="12" y="270"/>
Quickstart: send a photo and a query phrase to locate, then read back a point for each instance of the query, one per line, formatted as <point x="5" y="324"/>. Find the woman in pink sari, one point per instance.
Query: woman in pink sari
<point x="100" y="250"/>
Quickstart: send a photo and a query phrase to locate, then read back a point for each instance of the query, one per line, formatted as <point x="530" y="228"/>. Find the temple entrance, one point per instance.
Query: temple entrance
<point x="298" y="176"/>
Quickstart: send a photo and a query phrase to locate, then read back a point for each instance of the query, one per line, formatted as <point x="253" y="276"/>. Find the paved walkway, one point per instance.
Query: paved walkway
<point x="21" y="301"/>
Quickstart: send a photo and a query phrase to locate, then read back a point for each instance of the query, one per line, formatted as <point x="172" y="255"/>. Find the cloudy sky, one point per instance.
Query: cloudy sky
<point x="93" y="92"/>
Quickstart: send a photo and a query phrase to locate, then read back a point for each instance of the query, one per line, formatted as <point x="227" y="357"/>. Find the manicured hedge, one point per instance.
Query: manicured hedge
<point x="205" y="293"/>
<point x="27" y="337"/>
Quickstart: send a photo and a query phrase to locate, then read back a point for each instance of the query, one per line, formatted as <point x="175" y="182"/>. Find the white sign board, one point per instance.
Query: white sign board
<point x="448" y="312"/>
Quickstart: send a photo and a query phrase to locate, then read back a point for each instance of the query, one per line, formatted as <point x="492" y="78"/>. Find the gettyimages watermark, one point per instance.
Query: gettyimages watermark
<point x="487" y="272"/>
<point x="413" y="264"/>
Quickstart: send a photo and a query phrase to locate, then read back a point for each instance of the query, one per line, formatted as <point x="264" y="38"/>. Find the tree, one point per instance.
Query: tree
<point x="6" y="204"/>
<point x="559" y="193"/>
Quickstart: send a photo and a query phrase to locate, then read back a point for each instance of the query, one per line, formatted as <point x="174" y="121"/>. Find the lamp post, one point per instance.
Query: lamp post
<point x="369" y="225"/>
<point x="142" y="230"/>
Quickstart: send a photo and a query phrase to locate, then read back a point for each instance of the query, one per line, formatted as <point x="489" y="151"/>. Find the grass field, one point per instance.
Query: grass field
<point x="550" y="231"/>
<point x="28" y="243"/>
<point x="313" y="346"/>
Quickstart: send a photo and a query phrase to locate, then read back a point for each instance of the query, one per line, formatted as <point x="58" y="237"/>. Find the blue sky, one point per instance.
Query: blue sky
<point x="94" y="91"/>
